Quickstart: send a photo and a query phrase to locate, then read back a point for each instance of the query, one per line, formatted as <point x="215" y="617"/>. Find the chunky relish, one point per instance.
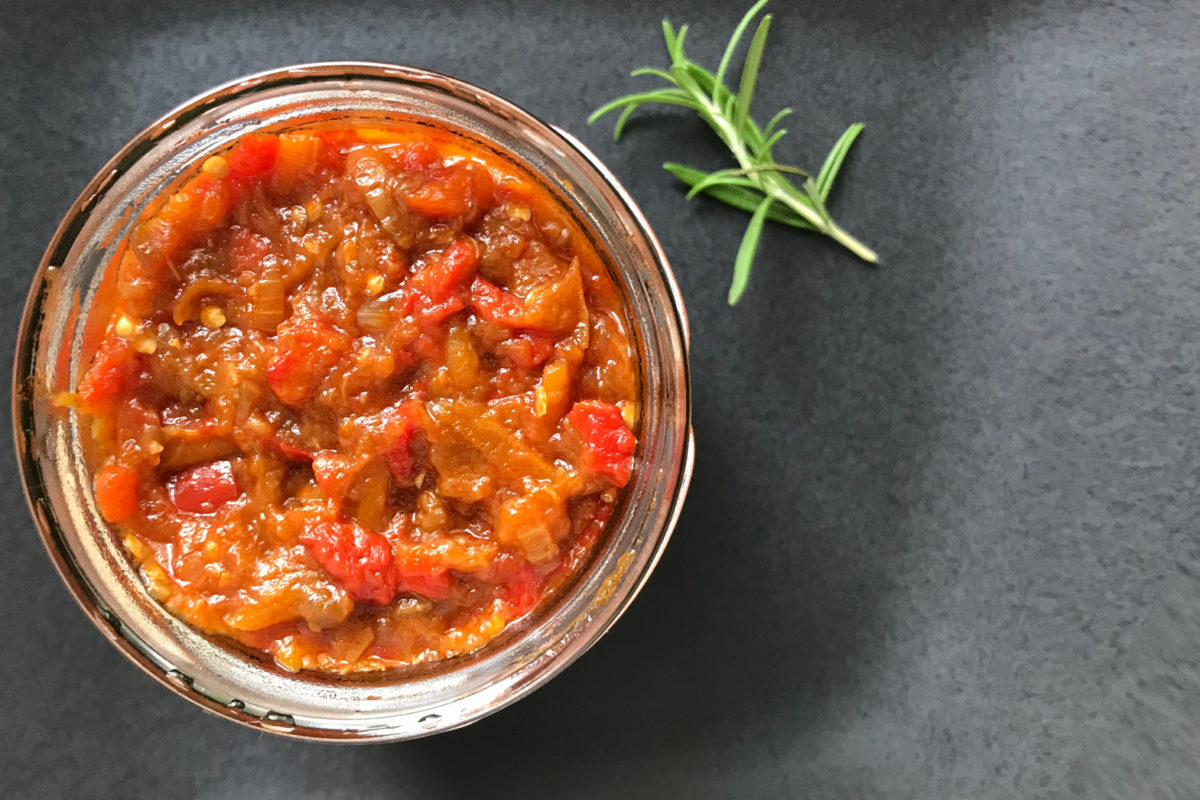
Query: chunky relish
<point x="362" y="397"/>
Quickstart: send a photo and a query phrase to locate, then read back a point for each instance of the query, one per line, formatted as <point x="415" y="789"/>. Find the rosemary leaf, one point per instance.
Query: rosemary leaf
<point x="745" y="254"/>
<point x="837" y="155"/>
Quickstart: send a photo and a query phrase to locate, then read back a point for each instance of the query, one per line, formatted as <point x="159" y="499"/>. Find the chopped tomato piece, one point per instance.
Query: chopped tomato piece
<point x="442" y="198"/>
<point x="334" y="145"/>
<point x="253" y="157"/>
<point x="521" y="586"/>
<point x="334" y="473"/>
<point x="436" y="585"/>
<point x="295" y="160"/>
<point x="526" y="350"/>
<point x="111" y="375"/>
<point x="117" y="492"/>
<point x="362" y="561"/>
<point x="247" y="250"/>
<point x="436" y="291"/>
<point x="401" y="430"/>
<point x="496" y="305"/>
<point x="306" y="350"/>
<point x="418" y="156"/>
<point x="608" y="444"/>
<point x="206" y="200"/>
<point x="204" y="488"/>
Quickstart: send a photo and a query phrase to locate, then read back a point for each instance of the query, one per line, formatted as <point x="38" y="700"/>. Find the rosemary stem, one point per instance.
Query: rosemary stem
<point x="853" y="245"/>
<point x="783" y="191"/>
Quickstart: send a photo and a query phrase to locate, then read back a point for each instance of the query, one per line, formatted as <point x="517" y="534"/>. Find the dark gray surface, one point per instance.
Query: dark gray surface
<point x="934" y="502"/>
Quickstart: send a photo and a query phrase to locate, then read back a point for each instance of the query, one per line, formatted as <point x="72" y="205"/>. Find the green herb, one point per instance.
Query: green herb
<point x="758" y="184"/>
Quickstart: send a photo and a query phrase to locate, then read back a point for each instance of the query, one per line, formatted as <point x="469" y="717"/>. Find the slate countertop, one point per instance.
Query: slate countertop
<point x="940" y="542"/>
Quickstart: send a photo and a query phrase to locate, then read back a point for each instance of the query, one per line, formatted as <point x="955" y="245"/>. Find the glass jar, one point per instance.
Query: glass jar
<point x="209" y="671"/>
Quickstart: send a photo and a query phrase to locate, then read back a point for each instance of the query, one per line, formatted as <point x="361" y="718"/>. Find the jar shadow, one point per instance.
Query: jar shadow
<point x="759" y="626"/>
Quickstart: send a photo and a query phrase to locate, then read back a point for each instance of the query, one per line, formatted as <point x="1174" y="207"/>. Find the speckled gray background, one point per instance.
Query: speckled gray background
<point x="941" y="537"/>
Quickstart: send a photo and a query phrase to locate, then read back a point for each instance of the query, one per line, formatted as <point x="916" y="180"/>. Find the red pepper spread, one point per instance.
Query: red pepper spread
<point x="362" y="397"/>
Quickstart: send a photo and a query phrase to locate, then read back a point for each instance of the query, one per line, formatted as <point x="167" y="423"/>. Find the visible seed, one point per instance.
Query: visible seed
<point x="211" y="549"/>
<point x="216" y="166"/>
<point x="299" y="216"/>
<point x="125" y="326"/>
<point x="519" y="212"/>
<point x="212" y="317"/>
<point x="177" y="343"/>
<point x="313" y="209"/>
<point x="347" y="253"/>
<point x="374" y="284"/>
<point x="146" y="343"/>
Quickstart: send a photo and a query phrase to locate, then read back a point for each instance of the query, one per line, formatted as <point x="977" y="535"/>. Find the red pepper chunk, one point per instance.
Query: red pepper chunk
<point x="363" y="563"/>
<point x="117" y="492"/>
<point x="205" y="488"/>
<point x="360" y="560"/>
<point x="307" y="349"/>
<point x="608" y="444"/>
<point x="496" y="305"/>
<point x="288" y="450"/>
<point x="452" y="269"/>
<point x="432" y="313"/>
<point x="112" y="373"/>
<point x="437" y="291"/>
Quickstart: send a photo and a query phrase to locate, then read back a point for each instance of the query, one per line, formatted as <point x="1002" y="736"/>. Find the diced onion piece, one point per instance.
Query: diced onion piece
<point x="269" y="305"/>
<point x="629" y="412"/>
<point x="533" y="523"/>
<point x="496" y="442"/>
<point x="462" y="359"/>
<point x="374" y="315"/>
<point x="552" y="394"/>
<point x="187" y="307"/>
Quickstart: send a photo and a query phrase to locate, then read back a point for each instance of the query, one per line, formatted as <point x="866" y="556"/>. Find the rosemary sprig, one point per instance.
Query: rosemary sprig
<point x="759" y="184"/>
